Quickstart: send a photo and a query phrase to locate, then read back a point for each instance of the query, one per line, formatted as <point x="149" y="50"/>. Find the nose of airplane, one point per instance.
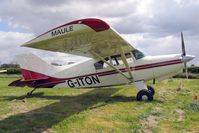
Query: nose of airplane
<point x="187" y="58"/>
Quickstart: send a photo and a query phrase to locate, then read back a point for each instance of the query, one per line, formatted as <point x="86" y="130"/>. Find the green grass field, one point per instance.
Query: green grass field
<point x="111" y="109"/>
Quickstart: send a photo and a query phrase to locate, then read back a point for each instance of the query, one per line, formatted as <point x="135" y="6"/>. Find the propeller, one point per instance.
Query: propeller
<point x="184" y="54"/>
<point x="183" y="46"/>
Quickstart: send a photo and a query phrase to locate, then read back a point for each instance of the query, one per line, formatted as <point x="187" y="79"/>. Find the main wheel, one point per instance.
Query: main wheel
<point x="151" y="89"/>
<point x="144" y="95"/>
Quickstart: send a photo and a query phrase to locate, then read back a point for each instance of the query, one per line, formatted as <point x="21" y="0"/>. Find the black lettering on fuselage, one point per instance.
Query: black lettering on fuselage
<point x="78" y="82"/>
<point x="70" y="83"/>
<point x="95" y="79"/>
<point x="83" y="81"/>
<point x="88" y="80"/>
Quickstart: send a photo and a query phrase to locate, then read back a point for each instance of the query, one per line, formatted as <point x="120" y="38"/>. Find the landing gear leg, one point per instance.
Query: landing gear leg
<point x="144" y="93"/>
<point x="29" y="94"/>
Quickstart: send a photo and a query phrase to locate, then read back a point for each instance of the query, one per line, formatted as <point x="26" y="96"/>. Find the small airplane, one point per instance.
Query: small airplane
<point x="112" y="60"/>
<point x="3" y="71"/>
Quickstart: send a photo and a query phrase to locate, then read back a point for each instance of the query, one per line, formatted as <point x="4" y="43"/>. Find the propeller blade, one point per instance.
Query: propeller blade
<point x="183" y="46"/>
<point x="186" y="72"/>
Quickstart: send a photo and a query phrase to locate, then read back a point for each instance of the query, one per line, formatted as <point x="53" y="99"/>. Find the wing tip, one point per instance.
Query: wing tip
<point x="96" y="24"/>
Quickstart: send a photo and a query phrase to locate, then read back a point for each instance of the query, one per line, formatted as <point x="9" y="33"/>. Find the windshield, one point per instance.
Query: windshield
<point x="138" y="54"/>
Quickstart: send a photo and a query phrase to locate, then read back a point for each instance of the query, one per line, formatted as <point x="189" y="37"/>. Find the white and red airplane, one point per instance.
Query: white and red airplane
<point x="113" y="61"/>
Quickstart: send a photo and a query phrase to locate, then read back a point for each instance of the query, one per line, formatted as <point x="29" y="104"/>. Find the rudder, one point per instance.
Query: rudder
<point x="33" y="67"/>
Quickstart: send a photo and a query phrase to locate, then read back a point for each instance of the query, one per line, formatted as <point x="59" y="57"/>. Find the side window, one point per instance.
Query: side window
<point x="114" y="60"/>
<point x="99" y="65"/>
<point x="117" y="59"/>
<point x="138" y="54"/>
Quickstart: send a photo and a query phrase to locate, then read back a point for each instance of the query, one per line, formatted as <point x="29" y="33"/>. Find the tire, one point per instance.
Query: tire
<point x="144" y="95"/>
<point x="151" y="89"/>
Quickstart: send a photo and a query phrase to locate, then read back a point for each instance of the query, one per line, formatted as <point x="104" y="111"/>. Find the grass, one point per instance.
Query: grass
<point x="111" y="109"/>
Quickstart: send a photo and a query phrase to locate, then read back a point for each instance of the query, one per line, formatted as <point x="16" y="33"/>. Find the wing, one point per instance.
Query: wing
<point x="82" y="37"/>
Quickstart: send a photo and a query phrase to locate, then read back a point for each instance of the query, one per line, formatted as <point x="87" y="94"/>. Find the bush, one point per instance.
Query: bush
<point x="193" y="69"/>
<point x="13" y="71"/>
<point x="190" y="76"/>
<point x="11" y="65"/>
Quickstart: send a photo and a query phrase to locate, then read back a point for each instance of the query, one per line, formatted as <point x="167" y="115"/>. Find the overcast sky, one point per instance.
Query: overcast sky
<point x="151" y="25"/>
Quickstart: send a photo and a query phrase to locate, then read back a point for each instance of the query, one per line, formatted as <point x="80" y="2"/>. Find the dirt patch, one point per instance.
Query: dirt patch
<point x="151" y="121"/>
<point x="157" y="109"/>
<point x="49" y="131"/>
<point x="166" y="93"/>
<point x="181" y="114"/>
<point x="166" y="128"/>
<point x="17" y="106"/>
<point x="148" y="123"/>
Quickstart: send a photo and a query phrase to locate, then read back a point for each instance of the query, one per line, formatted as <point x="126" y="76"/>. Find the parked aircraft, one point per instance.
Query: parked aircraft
<point x="112" y="60"/>
<point x="3" y="71"/>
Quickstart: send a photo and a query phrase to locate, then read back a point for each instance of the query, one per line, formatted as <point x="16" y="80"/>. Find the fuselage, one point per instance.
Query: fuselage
<point x="85" y="74"/>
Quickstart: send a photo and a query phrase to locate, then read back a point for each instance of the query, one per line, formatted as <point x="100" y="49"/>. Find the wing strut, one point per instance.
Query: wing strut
<point x="125" y="62"/>
<point x="101" y="58"/>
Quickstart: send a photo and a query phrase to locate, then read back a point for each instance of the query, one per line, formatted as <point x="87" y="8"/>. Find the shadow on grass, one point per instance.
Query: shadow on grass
<point x="41" y="119"/>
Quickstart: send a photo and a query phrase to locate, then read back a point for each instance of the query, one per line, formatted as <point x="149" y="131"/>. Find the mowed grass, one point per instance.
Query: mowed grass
<point x="111" y="109"/>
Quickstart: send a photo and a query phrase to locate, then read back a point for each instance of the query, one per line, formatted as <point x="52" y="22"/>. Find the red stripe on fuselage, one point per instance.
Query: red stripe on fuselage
<point x="52" y="80"/>
<point x="141" y="67"/>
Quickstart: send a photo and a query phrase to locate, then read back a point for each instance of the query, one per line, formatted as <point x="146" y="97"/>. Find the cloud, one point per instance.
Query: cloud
<point x="128" y="16"/>
<point x="32" y="15"/>
<point x="147" y="23"/>
<point x="161" y="45"/>
<point x="10" y="44"/>
<point x="165" y="17"/>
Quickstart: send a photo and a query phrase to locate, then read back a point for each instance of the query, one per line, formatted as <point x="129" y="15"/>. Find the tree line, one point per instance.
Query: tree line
<point x="13" y="68"/>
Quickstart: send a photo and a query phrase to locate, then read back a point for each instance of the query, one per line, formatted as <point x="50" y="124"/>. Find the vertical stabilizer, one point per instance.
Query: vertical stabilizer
<point x="34" y="67"/>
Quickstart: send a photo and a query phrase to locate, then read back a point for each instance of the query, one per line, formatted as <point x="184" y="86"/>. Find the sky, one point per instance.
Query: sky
<point x="153" y="26"/>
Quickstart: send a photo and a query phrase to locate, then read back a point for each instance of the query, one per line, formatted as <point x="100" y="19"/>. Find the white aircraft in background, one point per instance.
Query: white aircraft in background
<point x="3" y="71"/>
<point x="113" y="61"/>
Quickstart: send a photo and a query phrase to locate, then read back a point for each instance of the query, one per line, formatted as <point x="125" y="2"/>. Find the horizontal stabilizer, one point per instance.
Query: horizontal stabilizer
<point x="18" y="83"/>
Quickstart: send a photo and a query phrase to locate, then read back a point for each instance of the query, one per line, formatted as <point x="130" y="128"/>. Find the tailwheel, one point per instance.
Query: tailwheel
<point x="29" y="94"/>
<point x="144" y="95"/>
<point x="151" y="89"/>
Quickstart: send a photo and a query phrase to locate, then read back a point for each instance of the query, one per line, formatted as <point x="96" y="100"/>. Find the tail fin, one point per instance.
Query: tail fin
<point x="33" y="67"/>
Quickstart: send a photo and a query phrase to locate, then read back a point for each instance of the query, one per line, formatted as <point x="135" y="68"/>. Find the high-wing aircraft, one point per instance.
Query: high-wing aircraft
<point x="113" y="61"/>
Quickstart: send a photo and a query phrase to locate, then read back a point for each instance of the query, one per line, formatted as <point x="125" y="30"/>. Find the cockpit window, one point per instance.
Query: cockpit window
<point x="99" y="65"/>
<point x="138" y="54"/>
<point x="115" y="60"/>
